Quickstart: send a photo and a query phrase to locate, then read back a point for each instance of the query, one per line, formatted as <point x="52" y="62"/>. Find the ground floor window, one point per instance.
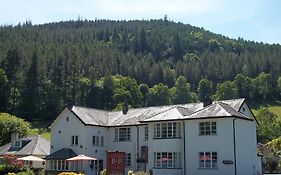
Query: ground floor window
<point x="61" y="165"/>
<point x="208" y="160"/>
<point x="167" y="159"/>
<point x="128" y="159"/>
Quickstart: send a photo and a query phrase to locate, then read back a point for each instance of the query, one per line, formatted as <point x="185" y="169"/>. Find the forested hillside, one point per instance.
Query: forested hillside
<point x="104" y="63"/>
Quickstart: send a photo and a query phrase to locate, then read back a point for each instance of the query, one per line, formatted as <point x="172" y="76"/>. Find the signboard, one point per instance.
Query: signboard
<point x="227" y="162"/>
<point x="116" y="163"/>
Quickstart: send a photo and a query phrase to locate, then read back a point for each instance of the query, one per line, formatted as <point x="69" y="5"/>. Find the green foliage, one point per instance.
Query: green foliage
<point x="279" y="86"/>
<point x="5" y="169"/>
<point x="10" y="124"/>
<point x="47" y="67"/>
<point x="70" y="173"/>
<point x="263" y="85"/>
<point x="144" y="89"/>
<point x="26" y="172"/>
<point x="126" y="90"/>
<point x="275" y="146"/>
<point x="182" y="92"/>
<point x="269" y="125"/>
<point x="4" y="89"/>
<point x="103" y="172"/>
<point x="205" y="90"/>
<point x="225" y="91"/>
<point x="244" y="86"/>
<point x="159" y="95"/>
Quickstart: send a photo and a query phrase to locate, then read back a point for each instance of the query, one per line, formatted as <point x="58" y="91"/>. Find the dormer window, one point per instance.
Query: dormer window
<point x="17" y="143"/>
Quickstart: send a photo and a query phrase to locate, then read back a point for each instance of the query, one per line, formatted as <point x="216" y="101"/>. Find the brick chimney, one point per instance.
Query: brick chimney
<point x="14" y="137"/>
<point x="207" y="103"/>
<point x="125" y="107"/>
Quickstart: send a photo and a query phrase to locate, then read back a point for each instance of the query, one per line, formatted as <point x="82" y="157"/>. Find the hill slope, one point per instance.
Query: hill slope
<point x="48" y="66"/>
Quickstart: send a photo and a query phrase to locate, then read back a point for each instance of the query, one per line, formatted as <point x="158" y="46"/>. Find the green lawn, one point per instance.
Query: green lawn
<point x="273" y="106"/>
<point x="41" y="128"/>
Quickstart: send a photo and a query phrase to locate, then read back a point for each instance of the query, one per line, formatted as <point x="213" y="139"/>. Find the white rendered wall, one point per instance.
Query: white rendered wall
<point x="164" y="145"/>
<point x="62" y="131"/>
<point x="246" y="152"/>
<point x="124" y="146"/>
<point x="98" y="152"/>
<point x="222" y="143"/>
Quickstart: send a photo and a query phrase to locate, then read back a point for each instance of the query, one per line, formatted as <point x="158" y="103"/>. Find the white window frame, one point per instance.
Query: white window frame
<point x="17" y="143"/>
<point x="74" y="140"/>
<point x="122" y="134"/>
<point x="97" y="140"/>
<point x="128" y="159"/>
<point x="167" y="130"/>
<point x="58" y="165"/>
<point x="208" y="160"/>
<point x="167" y="160"/>
<point x="146" y="133"/>
<point x="101" y="141"/>
<point x="208" y="128"/>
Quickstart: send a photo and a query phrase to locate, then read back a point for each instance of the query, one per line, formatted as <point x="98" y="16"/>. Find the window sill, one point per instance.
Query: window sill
<point x="208" y="168"/>
<point x="160" y="168"/>
<point x="207" y="134"/>
<point x="166" y="138"/>
<point x="122" y="140"/>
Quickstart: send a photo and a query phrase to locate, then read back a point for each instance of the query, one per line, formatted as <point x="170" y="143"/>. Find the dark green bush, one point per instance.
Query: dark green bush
<point x="5" y="169"/>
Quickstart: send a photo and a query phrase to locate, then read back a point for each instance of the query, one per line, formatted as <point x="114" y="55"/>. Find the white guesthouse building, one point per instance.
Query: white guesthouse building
<point x="190" y="139"/>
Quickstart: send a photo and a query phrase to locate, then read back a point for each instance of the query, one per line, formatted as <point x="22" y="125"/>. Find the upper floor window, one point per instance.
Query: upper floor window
<point x="207" y="128"/>
<point x="74" y="140"/>
<point x="101" y="141"/>
<point x="208" y="160"/>
<point x="122" y="134"/>
<point x="167" y="159"/>
<point x="98" y="141"/>
<point x="146" y="133"/>
<point x="17" y="143"/>
<point x="167" y="130"/>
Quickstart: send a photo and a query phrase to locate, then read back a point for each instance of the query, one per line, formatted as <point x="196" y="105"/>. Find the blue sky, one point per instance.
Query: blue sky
<point x="258" y="20"/>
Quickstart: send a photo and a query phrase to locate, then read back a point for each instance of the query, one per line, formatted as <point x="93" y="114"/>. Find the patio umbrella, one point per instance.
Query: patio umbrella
<point x="80" y="158"/>
<point x="31" y="158"/>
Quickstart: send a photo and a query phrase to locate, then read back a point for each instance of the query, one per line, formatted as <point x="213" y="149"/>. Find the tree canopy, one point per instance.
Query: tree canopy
<point x="10" y="124"/>
<point x="103" y="63"/>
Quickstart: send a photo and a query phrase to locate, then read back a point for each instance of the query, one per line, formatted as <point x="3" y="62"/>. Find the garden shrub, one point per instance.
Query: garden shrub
<point x="69" y="173"/>
<point x="5" y="169"/>
<point x="103" y="172"/>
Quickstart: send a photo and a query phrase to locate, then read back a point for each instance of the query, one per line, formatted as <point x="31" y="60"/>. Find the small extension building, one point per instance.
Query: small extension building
<point x="217" y="138"/>
<point x="26" y="146"/>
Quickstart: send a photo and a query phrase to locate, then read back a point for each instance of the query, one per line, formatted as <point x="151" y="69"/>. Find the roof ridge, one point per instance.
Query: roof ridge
<point x="103" y="110"/>
<point x="203" y="108"/>
<point x="34" y="146"/>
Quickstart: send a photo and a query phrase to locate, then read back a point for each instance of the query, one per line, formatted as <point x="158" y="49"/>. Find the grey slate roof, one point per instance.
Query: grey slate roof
<point x="218" y="109"/>
<point x="225" y="108"/>
<point x="61" y="154"/>
<point x="31" y="145"/>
